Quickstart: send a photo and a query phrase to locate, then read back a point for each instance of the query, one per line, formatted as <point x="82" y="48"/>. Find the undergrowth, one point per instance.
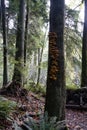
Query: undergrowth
<point x="73" y="87"/>
<point x="40" y="89"/>
<point x="6" y="107"/>
<point x="42" y="124"/>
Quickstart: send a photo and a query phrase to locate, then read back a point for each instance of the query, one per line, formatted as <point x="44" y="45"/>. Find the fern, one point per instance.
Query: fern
<point x="42" y="124"/>
<point x="6" y="107"/>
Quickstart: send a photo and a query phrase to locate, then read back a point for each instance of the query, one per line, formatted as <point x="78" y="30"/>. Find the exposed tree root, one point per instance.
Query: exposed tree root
<point x="13" y="89"/>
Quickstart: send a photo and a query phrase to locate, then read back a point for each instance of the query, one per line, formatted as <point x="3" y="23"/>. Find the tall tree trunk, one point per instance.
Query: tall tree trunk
<point x="40" y="53"/>
<point x="55" y="93"/>
<point x="0" y="15"/>
<point x="84" y="50"/>
<point x="35" y="58"/>
<point x="5" y="61"/>
<point x="19" y="56"/>
<point x="26" y="31"/>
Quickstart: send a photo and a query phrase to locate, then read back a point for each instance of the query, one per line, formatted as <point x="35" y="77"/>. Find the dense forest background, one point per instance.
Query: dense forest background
<point x="37" y="42"/>
<point x="43" y="54"/>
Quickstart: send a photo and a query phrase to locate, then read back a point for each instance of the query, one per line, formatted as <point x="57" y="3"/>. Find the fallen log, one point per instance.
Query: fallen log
<point x="76" y="97"/>
<point x="77" y="107"/>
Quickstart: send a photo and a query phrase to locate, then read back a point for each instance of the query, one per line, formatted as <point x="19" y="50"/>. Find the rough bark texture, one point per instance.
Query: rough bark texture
<point x="26" y="32"/>
<point x="84" y="51"/>
<point x="19" y="57"/>
<point x="5" y="61"/>
<point x="0" y="14"/>
<point x="55" y="94"/>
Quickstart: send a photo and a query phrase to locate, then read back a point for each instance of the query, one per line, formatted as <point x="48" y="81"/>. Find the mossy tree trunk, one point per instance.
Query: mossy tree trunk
<point x="19" y="56"/>
<point x="84" y="50"/>
<point x="55" y="93"/>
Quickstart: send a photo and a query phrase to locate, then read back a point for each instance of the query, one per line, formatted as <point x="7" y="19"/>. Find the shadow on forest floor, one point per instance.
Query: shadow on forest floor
<point x="33" y="105"/>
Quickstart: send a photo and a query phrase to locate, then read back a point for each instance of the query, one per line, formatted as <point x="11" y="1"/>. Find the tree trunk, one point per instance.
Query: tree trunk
<point x="19" y="56"/>
<point x="40" y="54"/>
<point x="5" y="61"/>
<point x="55" y="93"/>
<point x="35" y="58"/>
<point x="84" y="51"/>
<point x="0" y="15"/>
<point x="26" y="31"/>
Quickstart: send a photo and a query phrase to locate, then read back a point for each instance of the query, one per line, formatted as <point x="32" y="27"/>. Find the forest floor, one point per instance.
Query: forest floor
<point x="33" y="105"/>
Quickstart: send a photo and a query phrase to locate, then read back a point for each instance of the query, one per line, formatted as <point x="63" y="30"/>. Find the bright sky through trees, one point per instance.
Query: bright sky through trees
<point x="76" y="4"/>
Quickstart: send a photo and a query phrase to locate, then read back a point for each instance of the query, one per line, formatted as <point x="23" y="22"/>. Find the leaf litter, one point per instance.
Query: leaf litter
<point x="33" y="105"/>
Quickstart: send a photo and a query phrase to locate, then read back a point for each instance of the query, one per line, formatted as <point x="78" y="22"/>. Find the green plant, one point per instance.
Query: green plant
<point x="6" y="107"/>
<point x="43" y="124"/>
<point x="40" y="89"/>
<point x="71" y="86"/>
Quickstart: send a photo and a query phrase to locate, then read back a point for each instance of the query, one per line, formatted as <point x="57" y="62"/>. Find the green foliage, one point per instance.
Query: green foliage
<point x="13" y="6"/>
<point x="43" y="124"/>
<point x="73" y="48"/>
<point x="72" y="16"/>
<point x="71" y="86"/>
<point x="40" y="89"/>
<point x="6" y="107"/>
<point x="38" y="8"/>
<point x="38" y="17"/>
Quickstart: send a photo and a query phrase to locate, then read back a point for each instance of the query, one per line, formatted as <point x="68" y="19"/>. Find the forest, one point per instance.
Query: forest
<point x="43" y="64"/>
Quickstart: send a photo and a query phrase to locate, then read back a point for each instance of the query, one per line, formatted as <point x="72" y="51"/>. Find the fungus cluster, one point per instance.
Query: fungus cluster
<point x="53" y="52"/>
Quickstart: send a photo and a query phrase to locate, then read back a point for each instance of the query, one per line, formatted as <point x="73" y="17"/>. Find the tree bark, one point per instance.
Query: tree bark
<point x="5" y="60"/>
<point x="55" y="93"/>
<point x="26" y="32"/>
<point x="84" y="50"/>
<point x="40" y="54"/>
<point x="19" y="56"/>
